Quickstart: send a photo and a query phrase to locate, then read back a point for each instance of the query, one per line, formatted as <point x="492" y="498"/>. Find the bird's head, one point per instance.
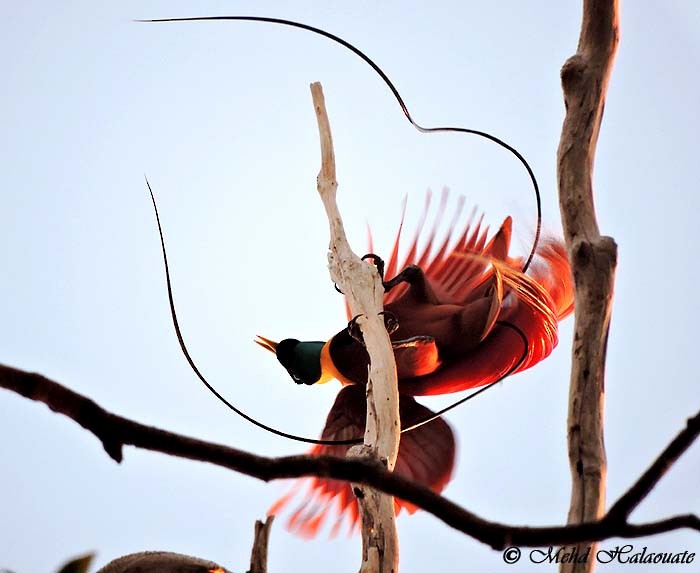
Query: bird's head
<point x="302" y="360"/>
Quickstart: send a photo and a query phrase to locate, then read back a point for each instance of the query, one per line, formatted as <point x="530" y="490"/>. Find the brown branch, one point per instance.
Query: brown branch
<point x="161" y="561"/>
<point x="258" y="556"/>
<point x="593" y="258"/>
<point x="116" y="432"/>
<point x="624" y="506"/>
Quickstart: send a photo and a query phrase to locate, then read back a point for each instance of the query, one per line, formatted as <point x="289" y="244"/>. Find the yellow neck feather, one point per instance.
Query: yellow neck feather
<point x="328" y="369"/>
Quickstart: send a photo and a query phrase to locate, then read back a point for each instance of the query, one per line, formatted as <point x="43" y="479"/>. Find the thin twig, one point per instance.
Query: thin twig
<point x="115" y="432"/>
<point x="624" y="506"/>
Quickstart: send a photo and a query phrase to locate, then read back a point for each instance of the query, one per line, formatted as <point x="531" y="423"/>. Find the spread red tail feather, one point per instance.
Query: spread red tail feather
<point x="426" y="455"/>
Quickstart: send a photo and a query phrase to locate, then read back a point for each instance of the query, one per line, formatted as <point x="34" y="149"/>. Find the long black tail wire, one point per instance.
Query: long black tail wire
<point x="421" y="129"/>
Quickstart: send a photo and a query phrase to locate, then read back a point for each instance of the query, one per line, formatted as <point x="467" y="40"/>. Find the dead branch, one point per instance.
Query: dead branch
<point x="627" y="503"/>
<point x="593" y="258"/>
<point x="161" y="562"/>
<point x="115" y="432"/>
<point x="258" y="556"/>
<point x="364" y="291"/>
<point x="168" y="562"/>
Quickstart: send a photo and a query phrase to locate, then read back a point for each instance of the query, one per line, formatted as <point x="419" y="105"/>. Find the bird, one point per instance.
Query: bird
<point x="461" y="314"/>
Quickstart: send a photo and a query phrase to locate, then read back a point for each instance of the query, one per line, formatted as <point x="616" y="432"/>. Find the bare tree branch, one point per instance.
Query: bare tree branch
<point x="161" y="562"/>
<point x="168" y="562"/>
<point x="624" y="506"/>
<point x="115" y="432"/>
<point x="364" y="292"/>
<point x="258" y="556"/>
<point x="593" y="258"/>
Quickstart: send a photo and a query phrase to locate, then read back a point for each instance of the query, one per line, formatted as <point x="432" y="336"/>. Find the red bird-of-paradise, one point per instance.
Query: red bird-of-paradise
<point x="464" y="315"/>
<point x="468" y="316"/>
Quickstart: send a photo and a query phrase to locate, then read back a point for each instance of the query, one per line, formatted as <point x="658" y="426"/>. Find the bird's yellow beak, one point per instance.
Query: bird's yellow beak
<point x="266" y="343"/>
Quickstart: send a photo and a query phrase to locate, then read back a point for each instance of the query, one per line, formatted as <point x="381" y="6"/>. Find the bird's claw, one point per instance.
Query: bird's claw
<point x="354" y="329"/>
<point x="378" y="262"/>
<point x="391" y="323"/>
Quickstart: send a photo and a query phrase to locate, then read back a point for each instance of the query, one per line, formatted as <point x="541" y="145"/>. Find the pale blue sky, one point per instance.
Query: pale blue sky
<point x="220" y="118"/>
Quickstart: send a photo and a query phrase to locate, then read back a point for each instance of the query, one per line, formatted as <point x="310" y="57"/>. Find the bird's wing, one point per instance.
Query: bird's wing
<point x="416" y="356"/>
<point x="467" y="268"/>
<point x="451" y="271"/>
<point x="426" y="455"/>
<point x="534" y="305"/>
<point x="460" y="262"/>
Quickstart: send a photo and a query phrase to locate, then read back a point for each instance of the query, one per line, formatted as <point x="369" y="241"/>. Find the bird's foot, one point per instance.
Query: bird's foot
<point x="378" y="262"/>
<point x="354" y="329"/>
<point x="409" y="275"/>
<point x="391" y="323"/>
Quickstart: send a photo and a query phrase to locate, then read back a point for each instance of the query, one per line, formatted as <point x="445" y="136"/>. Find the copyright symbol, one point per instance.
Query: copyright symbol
<point x="511" y="555"/>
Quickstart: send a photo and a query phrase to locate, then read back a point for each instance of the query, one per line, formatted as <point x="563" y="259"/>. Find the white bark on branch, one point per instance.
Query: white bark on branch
<point x="363" y="288"/>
